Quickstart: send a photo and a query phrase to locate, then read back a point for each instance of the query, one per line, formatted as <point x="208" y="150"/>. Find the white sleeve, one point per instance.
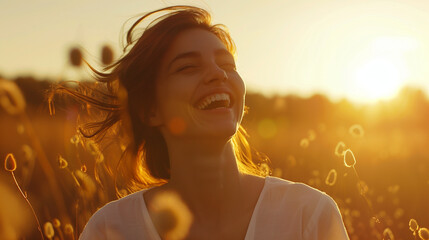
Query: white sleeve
<point x="326" y="222"/>
<point x="95" y="228"/>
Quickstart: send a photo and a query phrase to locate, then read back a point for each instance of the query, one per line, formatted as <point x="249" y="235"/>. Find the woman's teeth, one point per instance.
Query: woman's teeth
<point x="217" y="100"/>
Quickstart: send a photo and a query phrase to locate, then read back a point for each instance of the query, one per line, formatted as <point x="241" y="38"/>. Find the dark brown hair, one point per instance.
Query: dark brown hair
<point x="129" y="96"/>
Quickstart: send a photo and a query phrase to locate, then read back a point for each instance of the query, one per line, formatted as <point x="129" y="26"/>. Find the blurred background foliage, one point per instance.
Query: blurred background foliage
<point x="299" y="135"/>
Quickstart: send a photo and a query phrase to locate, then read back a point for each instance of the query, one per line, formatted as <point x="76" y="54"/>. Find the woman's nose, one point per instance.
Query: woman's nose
<point x="215" y="73"/>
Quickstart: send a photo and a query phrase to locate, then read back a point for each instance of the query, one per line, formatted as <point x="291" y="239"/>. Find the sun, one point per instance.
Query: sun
<point x="383" y="71"/>
<point x="379" y="78"/>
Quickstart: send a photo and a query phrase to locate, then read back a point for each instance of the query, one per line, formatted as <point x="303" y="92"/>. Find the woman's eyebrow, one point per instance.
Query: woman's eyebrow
<point x="184" y="55"/>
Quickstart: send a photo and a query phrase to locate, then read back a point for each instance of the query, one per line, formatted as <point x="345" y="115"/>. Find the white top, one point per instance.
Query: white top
<point x="285" y="210"/>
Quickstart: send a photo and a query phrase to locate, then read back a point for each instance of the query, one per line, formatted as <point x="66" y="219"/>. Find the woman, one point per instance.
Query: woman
<point x="182" y="100"/>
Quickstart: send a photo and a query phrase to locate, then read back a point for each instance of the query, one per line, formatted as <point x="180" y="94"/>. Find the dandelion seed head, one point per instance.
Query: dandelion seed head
<point x="388" y="234"/>
<point x="331" y="179"/>
<point x="362" y="187"/>
<point x="10" y="162"/>
<point x="83" y="168"/>
<point x="424" y="233"/>
<point x="172" y="217"/>
<point x="75" y="139"/>
<point x="304" y="143"/>
<point x="265" y="169"/>
<point x="11" y="98"/>
<point x="349" y="158"/>
<point x="99" y="158"/>
<point x="373" y="222"/>
<point x="56" y="222"/>
<point x="92" y="147"/>
<point x="122" y="192"/>
<point x="62" y="163"/>
<point x="48" y="230"/>
<point x="356" y="131"/>
<point x="340" y="149"/>
<point x="68" y="229"/>
<point x="87" y="185"/>
<point x="123" y="147"/>
<point x="414" y="226"/>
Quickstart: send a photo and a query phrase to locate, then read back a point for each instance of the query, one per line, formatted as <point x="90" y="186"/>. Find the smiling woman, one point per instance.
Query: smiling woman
<point x="178" y="92"/>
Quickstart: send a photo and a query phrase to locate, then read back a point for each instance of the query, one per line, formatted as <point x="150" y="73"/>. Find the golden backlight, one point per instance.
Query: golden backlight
<point x="379" y="78"/>
<point x="383" y="70"/>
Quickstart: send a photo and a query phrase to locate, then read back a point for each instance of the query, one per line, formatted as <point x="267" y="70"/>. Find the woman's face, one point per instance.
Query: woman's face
<point x="199" y="92"/>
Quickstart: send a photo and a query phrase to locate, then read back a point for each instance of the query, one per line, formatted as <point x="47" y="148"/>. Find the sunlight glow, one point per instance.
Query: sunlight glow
<point x="379" y="78"/>
<point x="383" y="69"/>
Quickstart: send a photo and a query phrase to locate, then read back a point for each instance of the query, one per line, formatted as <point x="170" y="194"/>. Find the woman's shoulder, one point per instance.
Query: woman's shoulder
<point x="298" y="198"/>
<point x="293" y="189"/>
<point x="130" y="201"/>
<point x="123" y="210"/>
<point x="295" y="196"/>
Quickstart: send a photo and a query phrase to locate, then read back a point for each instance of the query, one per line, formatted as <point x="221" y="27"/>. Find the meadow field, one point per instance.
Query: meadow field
<point x="372" y="159"/>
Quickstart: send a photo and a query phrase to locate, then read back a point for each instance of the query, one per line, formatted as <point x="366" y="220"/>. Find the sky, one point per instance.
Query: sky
<point x="362" y="50"/>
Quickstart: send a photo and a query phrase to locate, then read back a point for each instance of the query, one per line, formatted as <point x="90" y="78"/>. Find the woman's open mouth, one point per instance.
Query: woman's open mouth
<point x="214" y="101"/>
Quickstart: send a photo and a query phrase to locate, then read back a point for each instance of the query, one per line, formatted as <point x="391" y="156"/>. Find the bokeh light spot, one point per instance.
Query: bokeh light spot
<point x="267" y="128"/>
<point x="177" y="126"/>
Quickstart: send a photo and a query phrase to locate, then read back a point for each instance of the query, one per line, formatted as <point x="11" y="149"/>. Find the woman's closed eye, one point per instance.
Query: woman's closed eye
<point x="187" y="68"/>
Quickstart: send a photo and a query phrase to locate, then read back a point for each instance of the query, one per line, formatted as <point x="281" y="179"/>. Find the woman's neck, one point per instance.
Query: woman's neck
<point x="206" y="177"/>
